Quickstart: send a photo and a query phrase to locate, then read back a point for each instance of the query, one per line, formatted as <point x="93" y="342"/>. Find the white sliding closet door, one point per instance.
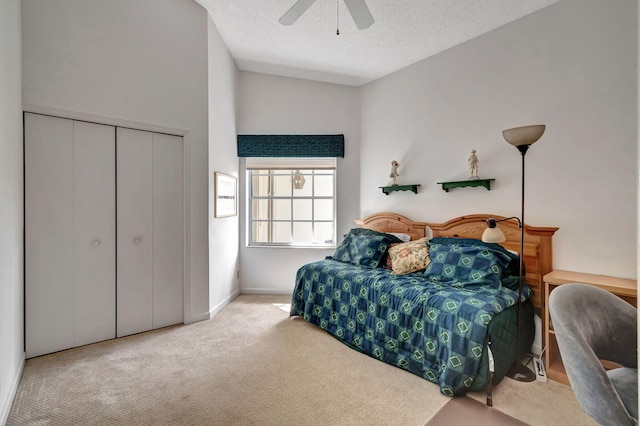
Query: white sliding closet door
<point x="49" y="264"/>
<point x="150" y="226"/>
<point x="94" y="232"/>
<point x="69" y="233"/>
<point x="135" y="231"/>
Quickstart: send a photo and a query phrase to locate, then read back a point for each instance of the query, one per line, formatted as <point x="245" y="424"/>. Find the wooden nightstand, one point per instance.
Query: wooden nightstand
<point x="624" y="288"/>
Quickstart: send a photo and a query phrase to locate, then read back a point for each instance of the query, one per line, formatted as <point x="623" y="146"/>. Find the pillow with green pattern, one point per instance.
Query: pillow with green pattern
<point x="509" y="276"/>
<point x="466" y="264"/>
<point x="364" y="247"/>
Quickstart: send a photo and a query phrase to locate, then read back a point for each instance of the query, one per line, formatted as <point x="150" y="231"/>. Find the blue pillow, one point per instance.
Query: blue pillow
<point x="466" y="263"/>
<point x="509" y="277"/>
<point x="364" y="247"/>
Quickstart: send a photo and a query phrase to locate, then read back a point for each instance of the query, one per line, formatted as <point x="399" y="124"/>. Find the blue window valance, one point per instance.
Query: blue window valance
<point x="290" y="145"/>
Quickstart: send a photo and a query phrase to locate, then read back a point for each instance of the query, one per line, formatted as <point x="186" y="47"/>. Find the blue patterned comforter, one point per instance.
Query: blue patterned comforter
<point x="428" y="328"/>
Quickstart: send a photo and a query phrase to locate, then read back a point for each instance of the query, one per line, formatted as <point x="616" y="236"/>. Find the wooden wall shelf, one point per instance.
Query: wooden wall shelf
<point x="446" y="186"/>
<point x="388" y="189"/>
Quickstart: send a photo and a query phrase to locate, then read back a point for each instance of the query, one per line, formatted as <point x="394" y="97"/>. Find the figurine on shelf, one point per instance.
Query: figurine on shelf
<point x="394" y="172"/>
<point x="473" y="165"/>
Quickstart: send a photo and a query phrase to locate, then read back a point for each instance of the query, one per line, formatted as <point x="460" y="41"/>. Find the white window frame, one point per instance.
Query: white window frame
<point x="305" y="165"/>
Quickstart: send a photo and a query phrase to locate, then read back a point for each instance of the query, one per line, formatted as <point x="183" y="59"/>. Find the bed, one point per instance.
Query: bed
<point x="444" y="326"/>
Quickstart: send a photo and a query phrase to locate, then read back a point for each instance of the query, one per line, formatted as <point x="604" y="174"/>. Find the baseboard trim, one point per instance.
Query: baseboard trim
<point x="265" y="291"/>
<point x="6" y="406"/>
<point x="222" y="304"/>
<point x="197" y="318"/>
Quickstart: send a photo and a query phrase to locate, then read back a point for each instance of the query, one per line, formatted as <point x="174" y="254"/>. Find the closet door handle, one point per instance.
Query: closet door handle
<point x="95" y="243"/>
<point x="137" y="240"/>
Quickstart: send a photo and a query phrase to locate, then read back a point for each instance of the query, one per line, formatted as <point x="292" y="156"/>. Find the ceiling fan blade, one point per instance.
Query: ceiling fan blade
<point x="295" y="11"/>
<point x="360" y="13"/>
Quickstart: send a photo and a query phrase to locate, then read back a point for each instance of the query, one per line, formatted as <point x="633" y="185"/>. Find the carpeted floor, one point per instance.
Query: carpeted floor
<point x="249" y="365"/>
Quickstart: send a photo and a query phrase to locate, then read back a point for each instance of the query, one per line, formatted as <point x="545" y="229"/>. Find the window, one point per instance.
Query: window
<point x="291" y="202"/>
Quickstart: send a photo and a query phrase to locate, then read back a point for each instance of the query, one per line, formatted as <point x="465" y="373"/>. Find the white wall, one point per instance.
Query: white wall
<point x="281" y="105"/>
<point x="571" y="66"/>
<point x="11" y="212"/>
<point x="223" y="232"/>
<point x="139" y="63"/>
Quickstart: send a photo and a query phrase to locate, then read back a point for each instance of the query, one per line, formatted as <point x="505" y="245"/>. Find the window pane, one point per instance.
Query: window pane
<point x="302" y="232"/>
<point x="281" y="232"/>
<point x="280" y="214"/>
<point x="323" y="209"/>
<point x="260" y="185"/>
<point x="282" y="209"/>
<point x="323" y="185"/>
<point x="260" y="209"/>
<point x="323" y="233"/>
<point x="302" y="210"/>
<point x="260" y="232"/>
<point x="282" y="185"/>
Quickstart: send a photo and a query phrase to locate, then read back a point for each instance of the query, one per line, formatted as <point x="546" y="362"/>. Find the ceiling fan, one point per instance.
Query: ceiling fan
<point x="357" y="8"/>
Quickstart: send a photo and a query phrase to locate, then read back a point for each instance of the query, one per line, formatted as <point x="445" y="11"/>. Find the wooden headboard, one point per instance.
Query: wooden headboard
<point x="393" y="222"/>
<point x="537" y="240"/>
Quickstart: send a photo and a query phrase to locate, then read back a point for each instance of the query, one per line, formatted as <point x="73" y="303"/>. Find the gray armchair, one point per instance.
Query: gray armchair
<point x="593" y="324"/>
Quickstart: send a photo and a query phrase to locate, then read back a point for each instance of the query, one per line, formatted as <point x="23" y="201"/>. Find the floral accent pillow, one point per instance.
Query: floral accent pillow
<point x="364" y="247"/>
<point x="409" y="257"/>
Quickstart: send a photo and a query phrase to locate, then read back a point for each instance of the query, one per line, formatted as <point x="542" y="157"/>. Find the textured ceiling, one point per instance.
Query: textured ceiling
<point x="404" y="32"/>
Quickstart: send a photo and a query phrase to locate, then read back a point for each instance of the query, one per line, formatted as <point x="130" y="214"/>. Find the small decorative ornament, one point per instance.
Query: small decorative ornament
<point x="394" y="172"/>
<point x="473" y="165"/>
<point x="298" y="180"/>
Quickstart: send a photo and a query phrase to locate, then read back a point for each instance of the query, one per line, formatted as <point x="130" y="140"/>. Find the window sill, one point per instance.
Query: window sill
<point x="292" y="246"/>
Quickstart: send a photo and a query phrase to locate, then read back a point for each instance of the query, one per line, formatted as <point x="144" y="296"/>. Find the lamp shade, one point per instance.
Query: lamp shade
<point x="493" y="235"/>
<point x="525" y="135"/>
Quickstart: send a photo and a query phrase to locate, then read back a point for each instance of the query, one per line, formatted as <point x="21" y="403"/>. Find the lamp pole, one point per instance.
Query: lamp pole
<point x="522" y="138"/>
<point x="518" y="371"/>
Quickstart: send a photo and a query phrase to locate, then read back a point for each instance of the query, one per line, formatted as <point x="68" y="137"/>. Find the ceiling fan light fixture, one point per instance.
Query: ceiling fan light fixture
<point x="337" y="17"/>
<point x="295" y="11"/>
<point x="357" y="8"/>
<point x="360" y="13"/>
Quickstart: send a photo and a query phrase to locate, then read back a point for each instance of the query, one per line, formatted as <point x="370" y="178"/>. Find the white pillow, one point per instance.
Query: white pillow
<point x="405" y="238"/>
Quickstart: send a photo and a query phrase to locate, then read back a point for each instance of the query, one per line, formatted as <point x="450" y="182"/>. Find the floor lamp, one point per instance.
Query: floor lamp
<point x="522" y="138"/>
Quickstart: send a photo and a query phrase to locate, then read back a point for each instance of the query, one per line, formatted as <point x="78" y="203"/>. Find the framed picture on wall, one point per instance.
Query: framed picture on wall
<point x="226" y="195"/>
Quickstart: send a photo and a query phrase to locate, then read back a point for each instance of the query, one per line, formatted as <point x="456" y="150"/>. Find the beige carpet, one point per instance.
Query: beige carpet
<point x="249" y="365"/>
<point x="537" y="403"/>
